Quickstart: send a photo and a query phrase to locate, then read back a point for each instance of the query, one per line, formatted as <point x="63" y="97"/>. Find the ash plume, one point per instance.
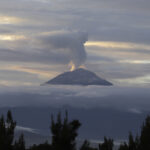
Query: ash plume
<point x="71" y="43"/>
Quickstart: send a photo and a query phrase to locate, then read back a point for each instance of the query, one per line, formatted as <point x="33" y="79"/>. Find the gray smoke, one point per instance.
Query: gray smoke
<point x="71" y="43"/>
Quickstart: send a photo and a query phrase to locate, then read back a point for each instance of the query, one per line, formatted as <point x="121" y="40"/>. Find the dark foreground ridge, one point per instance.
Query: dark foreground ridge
<point x="79" y="77"/>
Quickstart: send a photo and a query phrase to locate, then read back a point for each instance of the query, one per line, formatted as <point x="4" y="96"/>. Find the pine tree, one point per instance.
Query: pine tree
<point x="86" y="146"/>
<point x="124" y="146"/>
<point x="44" y="146"/>
<point x="2" y="133"/>
<point x="20" y="144"/>
<point x="7" y="132"/>
<point x="145" y="135"/>
<point x="64" y="133"/>
<point x="107" y="145"/>
<point x="132" y="143"/>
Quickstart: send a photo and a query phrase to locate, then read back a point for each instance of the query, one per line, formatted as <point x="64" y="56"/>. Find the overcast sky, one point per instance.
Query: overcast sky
<point x="41" y="38"/>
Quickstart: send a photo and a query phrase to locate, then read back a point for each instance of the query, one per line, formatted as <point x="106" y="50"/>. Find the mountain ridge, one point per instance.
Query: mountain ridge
<point x="79" y="76"/>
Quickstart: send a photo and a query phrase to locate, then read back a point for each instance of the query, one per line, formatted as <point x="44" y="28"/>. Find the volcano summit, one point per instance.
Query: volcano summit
<point x="78" y="77"/>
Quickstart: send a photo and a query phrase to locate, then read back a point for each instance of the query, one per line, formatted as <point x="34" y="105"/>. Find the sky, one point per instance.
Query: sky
<point x="40" y="39"/>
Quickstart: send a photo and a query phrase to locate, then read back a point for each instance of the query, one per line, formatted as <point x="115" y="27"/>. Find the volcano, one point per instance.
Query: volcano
<point x="78" y="77"/>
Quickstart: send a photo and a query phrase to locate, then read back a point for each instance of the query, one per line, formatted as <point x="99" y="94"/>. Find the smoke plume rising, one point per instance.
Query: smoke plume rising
<point x="71" y="43"/>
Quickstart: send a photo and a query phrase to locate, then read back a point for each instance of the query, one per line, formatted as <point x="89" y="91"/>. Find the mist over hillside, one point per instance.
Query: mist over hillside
<point x="111" y="111"/>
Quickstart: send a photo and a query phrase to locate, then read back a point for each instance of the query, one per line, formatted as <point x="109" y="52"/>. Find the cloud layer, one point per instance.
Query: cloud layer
<point x="59" y="47"/>
<point x="130" y="99"/>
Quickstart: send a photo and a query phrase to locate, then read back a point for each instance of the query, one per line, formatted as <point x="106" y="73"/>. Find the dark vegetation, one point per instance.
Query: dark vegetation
<point x="64" y="133"/>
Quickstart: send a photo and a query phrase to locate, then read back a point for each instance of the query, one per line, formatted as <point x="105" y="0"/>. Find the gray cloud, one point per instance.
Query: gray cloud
<point x="56" y="48"/>
<point x="104" y="20"/>
<point x="33" y="56"/>
<point x="115" y="70"/>
<point x="123" y="98"/>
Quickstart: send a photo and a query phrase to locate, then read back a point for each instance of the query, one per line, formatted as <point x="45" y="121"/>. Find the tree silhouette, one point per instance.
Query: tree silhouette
<point x="139" y="143"/>
<point x="44" y="146"/>
<point x="107" y="145"/>
<point x="145" y="135"/>
<point x="86" y="146"/>
<point x="64" y="133"/>
<point x="20" y="144"/>
<point x="124" y="146"/>
<point x="7" y="132"/>
<point x="133" y="144"/>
